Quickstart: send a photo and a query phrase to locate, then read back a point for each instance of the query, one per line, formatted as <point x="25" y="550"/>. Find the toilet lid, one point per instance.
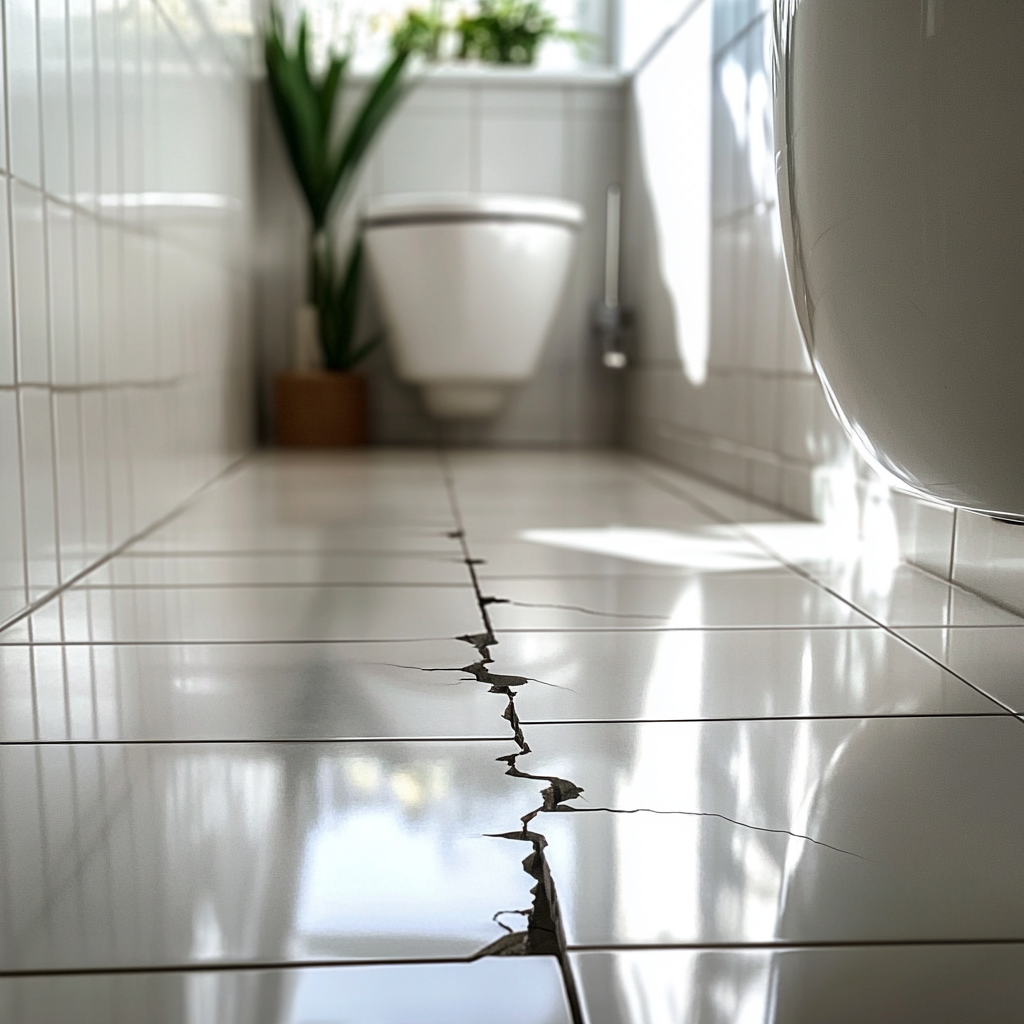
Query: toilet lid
<point x="399" y="210"/>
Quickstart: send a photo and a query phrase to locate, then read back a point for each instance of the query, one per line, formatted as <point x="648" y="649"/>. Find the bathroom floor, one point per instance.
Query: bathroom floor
<point x="273" y="762"/>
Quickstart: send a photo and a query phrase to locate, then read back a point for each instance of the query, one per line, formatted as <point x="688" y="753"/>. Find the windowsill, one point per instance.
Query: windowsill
<point x="461" y="74"/>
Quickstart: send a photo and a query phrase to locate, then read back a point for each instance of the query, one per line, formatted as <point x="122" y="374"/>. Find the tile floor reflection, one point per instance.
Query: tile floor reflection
<point x="272" y="763"/>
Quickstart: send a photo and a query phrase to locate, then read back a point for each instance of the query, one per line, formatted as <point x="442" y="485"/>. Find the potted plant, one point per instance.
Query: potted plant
<point x="506" y="31"/>
<point x="498" y="32"/>
<point x="324" y="404"/>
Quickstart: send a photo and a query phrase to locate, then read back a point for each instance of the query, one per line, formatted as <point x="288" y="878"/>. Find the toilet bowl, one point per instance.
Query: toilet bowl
<point x="469" y="287"/>
<point x="900" y="162"/>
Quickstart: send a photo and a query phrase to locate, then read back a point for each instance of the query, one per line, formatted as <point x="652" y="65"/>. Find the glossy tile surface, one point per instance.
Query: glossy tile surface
<point x="256" y="569"/>
<point x="637" y="674"/>
<point x="905" y="830"/>
<point x="737" y="599"/>
<point x="243" y="692"/>
<point x="439" y="993"/>
<point x="254" y="741"/>
<point x="992" y="659"/>
<point x="240" y="614"/>
<point x="907" y="596"/>
<point x="171" y="855"/>
<point x="889" y="985"/>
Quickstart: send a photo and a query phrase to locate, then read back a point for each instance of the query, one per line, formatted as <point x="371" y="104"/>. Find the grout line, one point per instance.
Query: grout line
<point x="795" y="945"/>
<point x="239" y="966"/>
<point x="257" y="742"/>
<point x="803" y="573"/>
<point x="743" y="719"/>
<point x="34" y="606"/>
<point x="259" y="585"/>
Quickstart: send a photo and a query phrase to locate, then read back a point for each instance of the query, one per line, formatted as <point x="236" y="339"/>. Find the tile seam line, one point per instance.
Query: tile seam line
<point x="232" y="966"/>
<point x="237" y="741"/>
<point x="794" y="944"/>
<point x="640" y="471"/>
<point x="155" y="587"/>
<point x="269" y="741"/>
<point x="181" y="507"/>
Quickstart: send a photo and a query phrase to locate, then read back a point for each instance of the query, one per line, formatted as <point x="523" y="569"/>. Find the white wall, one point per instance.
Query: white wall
<point x="756" y="419"/>
<point x="124" y="351"/>
<point x="529" y="133"/>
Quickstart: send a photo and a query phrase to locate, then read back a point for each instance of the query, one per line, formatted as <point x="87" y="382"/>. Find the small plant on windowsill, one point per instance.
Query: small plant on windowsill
<point x="325" y="406"/>
<point x="497" y="32"/>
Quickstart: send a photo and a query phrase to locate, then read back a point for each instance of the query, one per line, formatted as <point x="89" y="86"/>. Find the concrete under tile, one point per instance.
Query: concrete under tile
<point x="427" y="993"/>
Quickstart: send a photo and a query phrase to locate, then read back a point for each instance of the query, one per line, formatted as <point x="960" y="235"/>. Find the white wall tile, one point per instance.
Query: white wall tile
<point x="61" y="292"/>
<point x="925" y="533"/>
<point x="425" y="152"/>
<point x="522" y="154"/>
<point x="83" y="122"/>
<point x="54" y="81"/>
<point x="988" y="557"/>
<point x="30" y="284"/>
<point x="23" y="89"/>
<point x="74" y="555"/>
<point x="40" y="497"/>
<point x="7" y="346"/>
<point x="12" y="553"/>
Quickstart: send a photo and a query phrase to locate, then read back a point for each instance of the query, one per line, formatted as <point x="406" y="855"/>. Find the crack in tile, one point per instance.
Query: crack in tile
<point x="705" y="814"/>
<point x="578" y="608"/>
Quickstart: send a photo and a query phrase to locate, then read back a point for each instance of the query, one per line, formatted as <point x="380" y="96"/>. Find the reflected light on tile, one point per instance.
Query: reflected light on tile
<point x="657" y="547"/>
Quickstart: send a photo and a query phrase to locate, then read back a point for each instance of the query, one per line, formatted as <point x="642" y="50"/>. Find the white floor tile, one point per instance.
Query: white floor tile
<point x="437" y="993"/>
<point x="261" y="614"/>
<point x="726" y="599"/>
<point x="693" y="674"/>
<point x="180" y="855"/>
<point x="906" y="830"/>
<point x="885" y="985"/>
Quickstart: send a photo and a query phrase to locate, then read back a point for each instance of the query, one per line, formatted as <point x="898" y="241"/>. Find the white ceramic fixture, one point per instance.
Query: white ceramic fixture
<point x="469" y="287"/>
<point x="899" y="128"/>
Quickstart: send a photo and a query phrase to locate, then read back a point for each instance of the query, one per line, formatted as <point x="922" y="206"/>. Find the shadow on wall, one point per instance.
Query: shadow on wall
<point x="670" y="196"/>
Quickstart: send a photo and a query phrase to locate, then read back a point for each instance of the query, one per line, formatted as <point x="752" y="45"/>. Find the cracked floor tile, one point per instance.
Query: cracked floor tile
<point x="254" y="614"/>
<point x="266" y="691"/>
<point x="884" y="985"/>
<point x="175" y="855"/>
<point x="496" y="990"/>
<point x="766" y="598"/>
<point x="895" y="830"/>
<point x="754" y="673"/>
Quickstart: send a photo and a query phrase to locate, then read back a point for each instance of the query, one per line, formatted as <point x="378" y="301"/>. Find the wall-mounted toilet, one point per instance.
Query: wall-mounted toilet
<point x="469" y="287"/>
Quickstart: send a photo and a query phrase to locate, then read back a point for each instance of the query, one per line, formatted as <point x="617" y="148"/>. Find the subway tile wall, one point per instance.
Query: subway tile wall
<point x="759" y="422"/>
<point x="525" y="133"/>
<point x="125" y="366"/>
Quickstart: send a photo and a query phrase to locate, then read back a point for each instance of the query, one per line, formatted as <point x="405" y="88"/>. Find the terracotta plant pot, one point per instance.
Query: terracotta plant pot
<point x="320" y="409"/>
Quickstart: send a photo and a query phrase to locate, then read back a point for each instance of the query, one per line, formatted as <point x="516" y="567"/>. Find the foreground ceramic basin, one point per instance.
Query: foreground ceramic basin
<point x="899" y="129"/>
